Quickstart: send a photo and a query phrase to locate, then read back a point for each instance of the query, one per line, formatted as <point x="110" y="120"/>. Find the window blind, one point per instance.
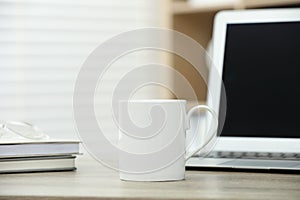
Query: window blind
<point x="43" y="44"/>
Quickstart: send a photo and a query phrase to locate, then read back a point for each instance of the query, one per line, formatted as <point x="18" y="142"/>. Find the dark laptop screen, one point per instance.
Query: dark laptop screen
<point x="262" y="80"/>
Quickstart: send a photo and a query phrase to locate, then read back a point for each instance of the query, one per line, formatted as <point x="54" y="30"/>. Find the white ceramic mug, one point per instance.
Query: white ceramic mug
<point x="152" y="139"/>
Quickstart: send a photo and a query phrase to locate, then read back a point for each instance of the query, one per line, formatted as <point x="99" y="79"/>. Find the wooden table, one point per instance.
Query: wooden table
<point x="97" y="182"/>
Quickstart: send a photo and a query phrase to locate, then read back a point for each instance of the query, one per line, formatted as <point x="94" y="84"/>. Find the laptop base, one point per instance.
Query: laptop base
<point x="243" y="163"/>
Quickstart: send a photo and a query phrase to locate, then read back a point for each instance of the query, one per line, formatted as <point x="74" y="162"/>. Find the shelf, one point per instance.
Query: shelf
<point x="269" y="3"/>
<point x="186" y="7"/>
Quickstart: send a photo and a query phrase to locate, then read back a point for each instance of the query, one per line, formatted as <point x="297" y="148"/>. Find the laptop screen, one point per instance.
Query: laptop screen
<point x="262" y="80"/>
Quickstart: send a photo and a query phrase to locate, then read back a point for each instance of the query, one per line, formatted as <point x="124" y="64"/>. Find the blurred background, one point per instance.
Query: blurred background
<point x="43" y="44"/>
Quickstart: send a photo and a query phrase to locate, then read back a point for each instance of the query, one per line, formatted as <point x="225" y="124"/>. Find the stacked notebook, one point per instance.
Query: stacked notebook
<point x="37" y="155"/>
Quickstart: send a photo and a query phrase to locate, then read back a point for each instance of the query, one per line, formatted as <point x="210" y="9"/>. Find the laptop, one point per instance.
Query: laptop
<point x="257" y="54"/>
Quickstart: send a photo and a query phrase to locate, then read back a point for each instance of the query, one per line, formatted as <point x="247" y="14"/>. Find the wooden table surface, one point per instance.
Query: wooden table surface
<point x="95" y="181"/>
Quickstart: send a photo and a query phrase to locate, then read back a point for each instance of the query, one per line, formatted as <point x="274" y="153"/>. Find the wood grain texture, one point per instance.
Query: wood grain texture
<point x="93" y="181"/>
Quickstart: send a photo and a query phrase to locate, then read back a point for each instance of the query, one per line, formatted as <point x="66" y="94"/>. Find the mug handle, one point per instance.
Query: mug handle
<point x="190" y="153"/>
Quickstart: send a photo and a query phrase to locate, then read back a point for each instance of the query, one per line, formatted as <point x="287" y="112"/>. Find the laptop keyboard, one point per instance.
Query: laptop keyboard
<point x="254" y="155"/>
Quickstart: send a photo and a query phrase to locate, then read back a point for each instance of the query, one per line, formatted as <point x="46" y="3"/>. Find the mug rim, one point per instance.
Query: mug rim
<point x="153" y="101"/>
